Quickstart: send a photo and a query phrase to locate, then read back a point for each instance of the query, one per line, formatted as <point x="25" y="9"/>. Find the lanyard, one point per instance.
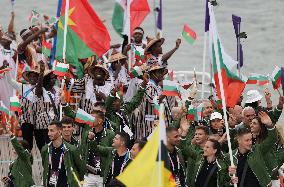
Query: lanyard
<point x="60" y="160"/>
<point x="172" y="163"/>
<point x="126" y="158"/>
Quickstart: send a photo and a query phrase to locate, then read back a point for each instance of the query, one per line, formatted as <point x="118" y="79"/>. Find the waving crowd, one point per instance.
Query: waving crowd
<point x="122" y="101"/>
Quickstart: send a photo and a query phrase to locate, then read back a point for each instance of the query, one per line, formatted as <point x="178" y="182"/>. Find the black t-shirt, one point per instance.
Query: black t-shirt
<point x="176" y="168"/>
<point x="204" y="172"/>
<point x="250" y="178"/>
<point x="94" y="158"/>
<point x="55" y="159"/>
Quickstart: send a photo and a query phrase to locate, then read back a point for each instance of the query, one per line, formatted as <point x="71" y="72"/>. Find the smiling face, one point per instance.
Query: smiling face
<point x="209" y="149"/>
<point x="173" y="138"/>
<point x="208" y="108"/>
<point x="245" y="141"/>
<point x="200" y="136"/>
<point x="216" y="124"/>
<point x="255" y="126"/>
<point x="67" y="130"/>
<point x="53" y="132"/>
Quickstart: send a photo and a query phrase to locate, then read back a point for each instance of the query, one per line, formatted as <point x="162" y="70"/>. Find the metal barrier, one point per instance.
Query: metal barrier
<point x="7" y="156"/>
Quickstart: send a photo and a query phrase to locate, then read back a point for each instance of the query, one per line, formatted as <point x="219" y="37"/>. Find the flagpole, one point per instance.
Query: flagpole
<point x="204" y="61"/>
<point x="66" y="18"/>
<point x="238" y="49"/>
<point x="222" y="95"/>
<point x="160" y="167"/>
<point x="155" y="18"/>
<point x="129" y="35"/>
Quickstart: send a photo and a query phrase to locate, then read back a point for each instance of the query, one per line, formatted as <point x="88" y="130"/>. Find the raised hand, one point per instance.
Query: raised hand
<point x="265" y="119"/>
<point x="178" y="42"/>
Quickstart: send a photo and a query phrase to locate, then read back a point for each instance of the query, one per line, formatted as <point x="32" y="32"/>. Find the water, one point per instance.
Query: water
<point x="261" y="19"/>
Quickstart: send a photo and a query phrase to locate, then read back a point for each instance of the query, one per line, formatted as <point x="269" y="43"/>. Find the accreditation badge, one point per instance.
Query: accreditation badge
<point x="53" y="178"/>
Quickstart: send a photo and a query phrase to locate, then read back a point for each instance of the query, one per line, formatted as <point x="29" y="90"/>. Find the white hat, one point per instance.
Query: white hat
<point x="215" y="115"/>
<point x="253" y="96"/>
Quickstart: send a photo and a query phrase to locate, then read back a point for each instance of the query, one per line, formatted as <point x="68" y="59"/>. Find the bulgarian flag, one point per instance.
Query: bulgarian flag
<point x="139" y="9"/>
<point x="188" y="34"/>
<point x="191" y="113"/>
<point x="135" y="72"/>
<point x="233" y="85"/>
<point x="170" y="76"/>
<point x="199" y="111"/>
<point x="15" y="104"/>
<point x="282" y="79"/>
<point x="276" y="78"/>
<point x="170" y="88"/>
<point x="61" y="69"/>
<point x="261" y="80"/>
<point x="4" y="109"/>
<point x="84" y="117"/>
<point x="46" y="48"/>
<point x="86" y="34"/>
<point x="156" y="106"/>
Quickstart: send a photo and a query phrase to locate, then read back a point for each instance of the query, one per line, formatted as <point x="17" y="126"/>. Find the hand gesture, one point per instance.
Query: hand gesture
<point x="265" y="119"/>
<point x="62" y="98"/>
<point x="184" y="126"/>
<point x="5" y="64"/>
<point x="178" y="42"/>
<point x="91" y="136"/>
<point x="267" y="94"/>
<point x="281" y="102"/>
<point x="223" y="138"/>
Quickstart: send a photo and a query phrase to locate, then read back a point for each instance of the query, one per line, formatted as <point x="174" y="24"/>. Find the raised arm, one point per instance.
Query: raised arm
<point x="11" y="24"/>
<point x="168" y="55"/>
<point x="23" y="45"/>
<point x="38" y="88"/>
<point x="137" y="99"/>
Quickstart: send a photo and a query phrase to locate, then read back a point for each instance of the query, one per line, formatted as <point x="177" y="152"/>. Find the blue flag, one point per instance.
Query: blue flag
<point x="282" y="79"/>
<point x="236" y="22"/>
<point x="207" y="16"/>
<point x="159" y="18"/>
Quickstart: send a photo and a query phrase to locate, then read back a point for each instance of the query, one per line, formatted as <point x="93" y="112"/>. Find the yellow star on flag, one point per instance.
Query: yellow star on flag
<point x="70" y="21"/>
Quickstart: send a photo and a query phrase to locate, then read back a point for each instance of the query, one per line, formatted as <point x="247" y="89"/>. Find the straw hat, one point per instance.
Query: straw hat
<point x="152" y="41"/>
<point x="26" y="74"/>
<point x="155" y="67"/>
<point x="253" y="96"/>
<point x="115" y="56"/>
<point x="91" y="70"/>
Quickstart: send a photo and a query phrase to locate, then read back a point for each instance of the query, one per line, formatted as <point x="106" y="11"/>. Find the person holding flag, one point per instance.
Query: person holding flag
<point x="137" y="46"/>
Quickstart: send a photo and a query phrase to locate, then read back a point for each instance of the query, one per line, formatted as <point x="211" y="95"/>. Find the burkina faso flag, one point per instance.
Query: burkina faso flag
<point x="86" y="34"/>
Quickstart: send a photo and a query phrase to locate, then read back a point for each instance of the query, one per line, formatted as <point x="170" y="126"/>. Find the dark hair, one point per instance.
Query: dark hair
<point x="171" y="129"/>
<point x="22" y="31"/>
<point x="58" y="124"/>
<point x="125" y="137"/>
<point x="141" y="143"/>
<point x="202" y="127"/>
<point x="254" y="105"/>
<point x="263" y="131"/>
<point x="99" y="103"/>
<point x="67" y="120"/>
<point x="99" y="113"/>
<point x="25" y="144"/>
<point x="242" y="131"/>
<point x="216" y="145"/>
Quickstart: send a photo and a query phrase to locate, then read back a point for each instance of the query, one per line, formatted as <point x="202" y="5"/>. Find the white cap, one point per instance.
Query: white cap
<point x="215" y="115"/>
<point x="253" y="96"/>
